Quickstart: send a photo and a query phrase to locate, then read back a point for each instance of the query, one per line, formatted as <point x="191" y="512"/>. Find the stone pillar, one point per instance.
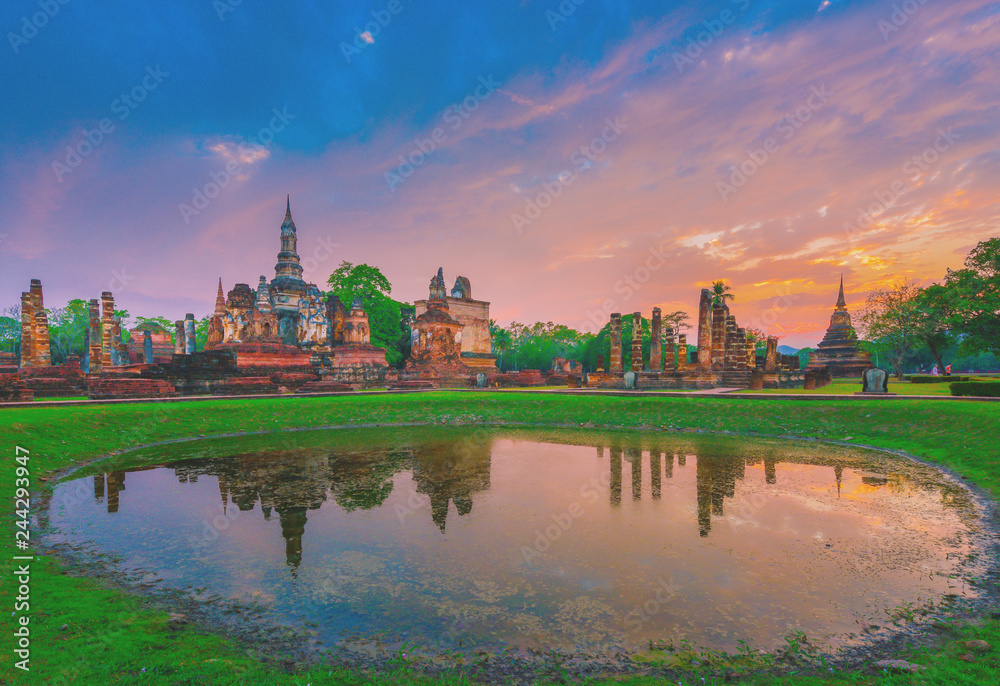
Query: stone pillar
<point x="705" y="331"/>
<point x="670" y="360"/>
<point x="27" y="331"/>
<point x="740" y="349"/>
<point x="43" y="357"/>
<point x="189" y="342"/>
<point x="147" y="347"/>
<point x="733" y="351"/>
<point x="682" y="351"/>
<point x="39" y="327"/>
<point x="107" y="324"/>
<point x="637" y="342"/>
<point x="656" y="346"/>
<point x="772" y="361"/>
<point x="94" y="340"/>
<point x="85" y="362"/>
<point x="179" y="337"/>
<point x="751" y="353"/>
<point x="719" y="315"/>
<point x="616" y="344"/>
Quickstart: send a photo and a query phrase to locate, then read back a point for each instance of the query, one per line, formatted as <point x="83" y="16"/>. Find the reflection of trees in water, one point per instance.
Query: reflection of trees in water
<point x="290" y="483"/>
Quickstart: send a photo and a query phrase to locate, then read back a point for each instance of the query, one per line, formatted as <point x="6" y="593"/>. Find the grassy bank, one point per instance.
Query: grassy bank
<point x="83" y="633"/>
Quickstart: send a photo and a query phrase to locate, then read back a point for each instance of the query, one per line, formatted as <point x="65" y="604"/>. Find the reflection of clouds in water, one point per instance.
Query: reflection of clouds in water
<point x="814" y="532"/>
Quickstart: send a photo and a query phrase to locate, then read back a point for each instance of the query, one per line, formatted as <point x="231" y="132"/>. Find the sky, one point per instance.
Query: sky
<point x="571" y="158"/>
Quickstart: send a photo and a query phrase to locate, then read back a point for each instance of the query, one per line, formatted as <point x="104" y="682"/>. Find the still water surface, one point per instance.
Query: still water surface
<point x="581" y="542"/>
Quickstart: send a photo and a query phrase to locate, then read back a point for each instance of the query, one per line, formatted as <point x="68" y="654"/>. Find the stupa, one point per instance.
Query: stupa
<point x="839" y="349"/>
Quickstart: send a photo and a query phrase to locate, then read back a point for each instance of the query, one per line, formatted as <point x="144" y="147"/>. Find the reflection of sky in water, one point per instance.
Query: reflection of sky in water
<point x="530" y="541"/>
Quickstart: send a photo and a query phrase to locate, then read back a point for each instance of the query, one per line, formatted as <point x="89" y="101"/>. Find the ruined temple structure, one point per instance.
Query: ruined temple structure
<point x="475" y="342"/>
<point x="37" y="376"/>
<point x="159" y="349"/>
<point x="839" y="350"/>
<point x="436" y="339"/>
<point x="285" y="311"/>
<point x="287" y="325"/>
<point x="725" y="356"/>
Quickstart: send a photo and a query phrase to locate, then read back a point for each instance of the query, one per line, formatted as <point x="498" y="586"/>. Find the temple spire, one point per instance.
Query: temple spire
<point x="288" y="206"/>
<point x="220" y="301"/>
<point x="841" y="301"/>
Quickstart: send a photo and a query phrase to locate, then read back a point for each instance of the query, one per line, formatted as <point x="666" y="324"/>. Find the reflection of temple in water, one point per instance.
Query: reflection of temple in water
<point x="291" y="483"/>
<point x="716" y="474"/>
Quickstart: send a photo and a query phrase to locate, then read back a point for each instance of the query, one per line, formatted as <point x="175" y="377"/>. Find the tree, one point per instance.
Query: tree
<point x="721" y="293"/>
<point x="932" y="311"/>
<point x="10" y="329"/>
<point x="500" y="340"/>
<point x="890" y="319"/>
<point x="385" y="315"/>
<point x="66" y="327"/>
<point x="976" y="297"/>
<point x="350" y="281"/>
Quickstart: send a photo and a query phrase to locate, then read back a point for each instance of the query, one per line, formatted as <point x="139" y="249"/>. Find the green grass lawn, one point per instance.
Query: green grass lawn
<point x="851" y="386"/>
<point x="116" y="638"/>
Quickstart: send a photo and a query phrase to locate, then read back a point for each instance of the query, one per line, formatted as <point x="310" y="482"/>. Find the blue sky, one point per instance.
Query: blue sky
<point x="291" y="98"/>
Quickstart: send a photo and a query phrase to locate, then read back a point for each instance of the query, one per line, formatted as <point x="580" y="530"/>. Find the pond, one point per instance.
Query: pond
<point x="580" y="542"/>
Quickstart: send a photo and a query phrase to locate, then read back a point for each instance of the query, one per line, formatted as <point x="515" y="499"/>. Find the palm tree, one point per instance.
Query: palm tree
<point x="721" y="293"/>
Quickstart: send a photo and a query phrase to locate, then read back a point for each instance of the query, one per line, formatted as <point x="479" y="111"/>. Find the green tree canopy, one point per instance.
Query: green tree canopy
<point x="975" y="293"/>
<point x="385" y="315"/>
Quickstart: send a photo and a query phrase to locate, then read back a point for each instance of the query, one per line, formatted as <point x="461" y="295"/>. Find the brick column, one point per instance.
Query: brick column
<point x="705" y="331"/>
<point x="751" y="354"/>
<point x="189" y="341"/>
<point x="772" y="361"/>
<point x="682" y="351"/>
<point x="27" y="331"/>
<point x="40" y="327"/>
<point x="179" y="337"/>
<point x="656" y="345"/>
<point x="732" y="345"/>
<point x="719" y="314"/>
<point x="616" y="344"/>
<point x="670" y="357"/>
<point x="107" y="323"/>
<point x="94" y="340"/>
<point x="637" y="342"/>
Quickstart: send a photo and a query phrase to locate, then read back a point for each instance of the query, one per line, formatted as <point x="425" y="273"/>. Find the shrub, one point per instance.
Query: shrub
<point x="987" y="389"/>
<point x="927" y="378"/>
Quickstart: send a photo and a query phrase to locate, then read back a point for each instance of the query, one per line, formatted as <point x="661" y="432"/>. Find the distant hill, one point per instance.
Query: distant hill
<point x="787" y="350"/>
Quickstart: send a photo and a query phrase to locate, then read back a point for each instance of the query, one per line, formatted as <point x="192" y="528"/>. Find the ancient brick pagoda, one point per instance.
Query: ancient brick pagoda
<point x="287" y="311"/>
<point x="475" y="342"/>
<point x="839" y="350"/>
<point x="436" y="338"/>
